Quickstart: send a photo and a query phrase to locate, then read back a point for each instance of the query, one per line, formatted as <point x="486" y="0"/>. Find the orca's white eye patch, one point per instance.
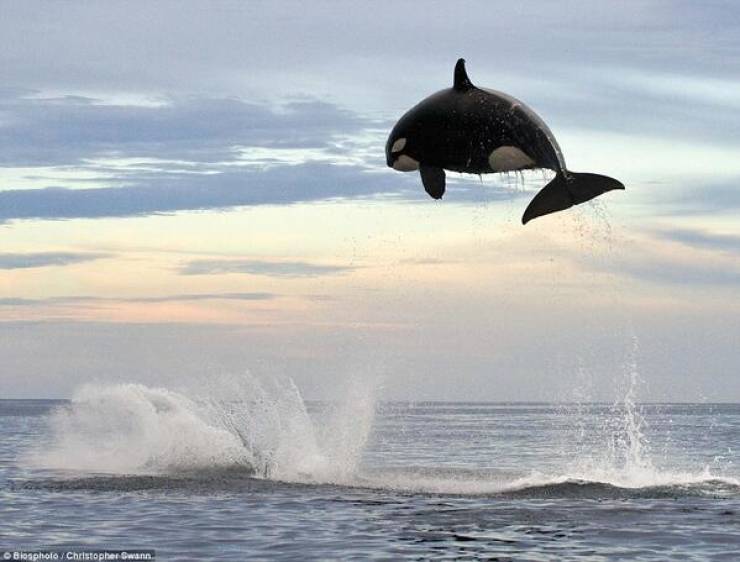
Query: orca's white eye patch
<point x="398" y="145"/>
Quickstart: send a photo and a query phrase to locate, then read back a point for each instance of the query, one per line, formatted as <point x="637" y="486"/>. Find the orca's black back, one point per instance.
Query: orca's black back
<point x="458" y="130"/>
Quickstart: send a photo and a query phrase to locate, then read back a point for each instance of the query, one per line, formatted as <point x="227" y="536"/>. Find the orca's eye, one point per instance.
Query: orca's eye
<point x="398" y="145"/>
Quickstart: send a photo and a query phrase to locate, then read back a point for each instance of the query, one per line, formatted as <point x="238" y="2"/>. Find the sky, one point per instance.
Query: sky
<point x="196" y="188"/>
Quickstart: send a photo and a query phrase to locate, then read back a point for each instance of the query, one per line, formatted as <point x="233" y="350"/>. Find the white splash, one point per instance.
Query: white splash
<point x="128" y="428"/>
<point x="613" y="447"/>
<point x="262" y="426"/>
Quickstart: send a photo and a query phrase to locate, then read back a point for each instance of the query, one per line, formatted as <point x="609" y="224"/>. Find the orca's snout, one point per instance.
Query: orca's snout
<point x="389" y="158"/>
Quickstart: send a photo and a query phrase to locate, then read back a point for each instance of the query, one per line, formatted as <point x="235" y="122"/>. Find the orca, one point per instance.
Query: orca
<point x="480" y="131"/>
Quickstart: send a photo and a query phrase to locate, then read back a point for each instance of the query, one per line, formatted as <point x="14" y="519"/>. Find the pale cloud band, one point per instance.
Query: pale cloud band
<point x="287" y="269"/>
<point x="47" y="259"/>
<point x="77" y="300"/>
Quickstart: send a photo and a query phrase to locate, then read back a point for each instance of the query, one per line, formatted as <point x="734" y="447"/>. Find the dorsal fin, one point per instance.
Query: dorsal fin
<point x="462" y="82"/>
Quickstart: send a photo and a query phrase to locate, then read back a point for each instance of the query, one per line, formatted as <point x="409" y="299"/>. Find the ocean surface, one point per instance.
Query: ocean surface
<point x="252" y="472"/>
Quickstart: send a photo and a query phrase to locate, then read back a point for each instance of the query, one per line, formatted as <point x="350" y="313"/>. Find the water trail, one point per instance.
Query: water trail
<point x="128" y="428"/>
<point x="632" y="440"/>
<point x="261" y="426"/>
<point x="270" y="419"/>
<point x="348" y="425"/>
<point x="610" y="444"/>
<point x="264" y="428"/>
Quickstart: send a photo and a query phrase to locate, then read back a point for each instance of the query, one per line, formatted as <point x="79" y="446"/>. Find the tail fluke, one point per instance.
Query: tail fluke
<point x="564" y="191"/>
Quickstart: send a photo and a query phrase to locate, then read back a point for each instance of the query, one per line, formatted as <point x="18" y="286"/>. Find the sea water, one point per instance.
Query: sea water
<point x="245" y="469"/>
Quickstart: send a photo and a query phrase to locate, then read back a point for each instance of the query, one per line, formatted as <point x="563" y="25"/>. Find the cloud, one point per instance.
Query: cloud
<point x="187" y="154"/>
<point x="729" y="243"/>
<point x="650" y="259"/>
<point x="666" y="271"/>
<point x="714" y="197"/>
<point x="646" y="68"/>
<point x="184" y="45"/>
<point x="17" y="301"/>
<point x="428" y="261"/>
<point x="257" y="296"/>
<point x="190" y="143"/>
<point x="168" y="108"/>
<point x="204" y="94"/>
<point x="46" y="259"/>
<point x="171" y="192"/>
<point x="73" y="129"/>
<point x="288" y="269"/>
<point x="71" y="300"/>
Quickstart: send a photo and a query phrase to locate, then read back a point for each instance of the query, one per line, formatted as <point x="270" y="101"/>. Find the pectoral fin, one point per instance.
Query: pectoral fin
<point x="433" y="179"/>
